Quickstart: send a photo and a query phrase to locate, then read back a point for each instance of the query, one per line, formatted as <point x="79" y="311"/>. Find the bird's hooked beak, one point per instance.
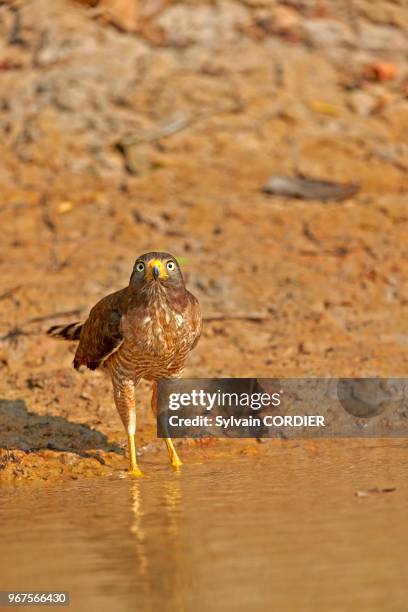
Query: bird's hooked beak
<point x="156" y="270"/>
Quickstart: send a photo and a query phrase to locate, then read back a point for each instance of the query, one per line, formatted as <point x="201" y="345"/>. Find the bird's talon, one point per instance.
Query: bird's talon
<point x="136" y="473"/>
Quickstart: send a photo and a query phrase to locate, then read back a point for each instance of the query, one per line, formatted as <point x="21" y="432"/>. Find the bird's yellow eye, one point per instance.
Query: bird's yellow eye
<point x="140" y="267"/>
<point x="171" y="266"/>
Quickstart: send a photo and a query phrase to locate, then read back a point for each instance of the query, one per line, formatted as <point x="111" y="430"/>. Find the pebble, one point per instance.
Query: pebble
<point x="327" y="33"/>
<point x="286" y="20"/>
<point x="69" y="458"/>
<point x="381" y="71"/>
<point x="382" y="39"/>
<point x="362" y="103"/>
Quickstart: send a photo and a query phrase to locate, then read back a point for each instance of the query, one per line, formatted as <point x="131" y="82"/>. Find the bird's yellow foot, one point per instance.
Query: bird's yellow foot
<point x="174" y="458"/>
<point x="134" y="468"/>
<point x="176" y="462"/>
<point x="136" y="473"/>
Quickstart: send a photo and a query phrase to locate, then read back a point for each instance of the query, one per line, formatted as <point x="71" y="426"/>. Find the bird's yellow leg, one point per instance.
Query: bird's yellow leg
<point x="174" y="458"/>
<point x="134" y="468"/>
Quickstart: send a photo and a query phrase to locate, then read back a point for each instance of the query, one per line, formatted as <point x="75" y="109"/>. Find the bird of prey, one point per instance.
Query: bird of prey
<point x="145" y="330"/>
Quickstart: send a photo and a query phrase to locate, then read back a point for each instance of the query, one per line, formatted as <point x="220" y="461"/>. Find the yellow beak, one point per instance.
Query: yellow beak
<point x="156" y="270"/>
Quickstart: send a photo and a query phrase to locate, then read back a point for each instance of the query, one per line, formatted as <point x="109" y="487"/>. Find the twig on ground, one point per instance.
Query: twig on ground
<point x="177" y="125"/>
<point x="255" y="318"/>
<point x="75" y="312"/>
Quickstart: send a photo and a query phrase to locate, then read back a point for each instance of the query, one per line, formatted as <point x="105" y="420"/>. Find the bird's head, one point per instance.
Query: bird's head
<point x="153" y="270"/>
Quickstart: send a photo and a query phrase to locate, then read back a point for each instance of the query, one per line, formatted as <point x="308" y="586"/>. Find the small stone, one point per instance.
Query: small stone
<point x="286" y="19"/>
<point x="64" y="207"/>
<point x="69" y="458"/>
<point x="362" y="103"/>
<point x="382" y="39"/>
<point x="327" y="33"/>
<point x="381" y="71"/>
<point x="137" y="157"/>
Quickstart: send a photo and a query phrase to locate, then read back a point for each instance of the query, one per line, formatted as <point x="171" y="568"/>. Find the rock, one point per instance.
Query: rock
<point x="381" y="38"/>
<point x="137" y="157"/>
<point x="69" y="458"/>
<point x="362" y="103"/>
<point x="327" y="33"/>
<point x="124" y="14"/>
<point x="381" y="71"/>
<point x="286" y="20"/>
<point x="203" y="23"/>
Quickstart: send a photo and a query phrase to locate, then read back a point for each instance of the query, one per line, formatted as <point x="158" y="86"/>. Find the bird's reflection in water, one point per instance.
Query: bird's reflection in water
<point x="158" y="531"/>
<point x="172" y="497"/>
<point x="136" y="527"/>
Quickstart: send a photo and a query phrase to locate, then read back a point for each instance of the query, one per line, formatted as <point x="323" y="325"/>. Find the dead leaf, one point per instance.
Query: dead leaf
<point x="309" y="189"/>
<point x="324" y="108"/>
<point x="374" y="491"/>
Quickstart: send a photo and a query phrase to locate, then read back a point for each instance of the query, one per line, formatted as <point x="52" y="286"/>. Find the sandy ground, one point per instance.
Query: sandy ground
<point x="116" y="143"/>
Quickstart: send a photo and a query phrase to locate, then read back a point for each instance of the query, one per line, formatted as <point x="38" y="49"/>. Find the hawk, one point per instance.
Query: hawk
<point x="145" y="330"/>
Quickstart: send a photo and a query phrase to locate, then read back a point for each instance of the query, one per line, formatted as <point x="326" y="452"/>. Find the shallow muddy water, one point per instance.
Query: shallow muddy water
<point x="284" y="533"/>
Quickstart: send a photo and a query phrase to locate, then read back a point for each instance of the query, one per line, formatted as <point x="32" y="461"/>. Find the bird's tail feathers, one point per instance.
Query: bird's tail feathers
<point x="66" y="332"/>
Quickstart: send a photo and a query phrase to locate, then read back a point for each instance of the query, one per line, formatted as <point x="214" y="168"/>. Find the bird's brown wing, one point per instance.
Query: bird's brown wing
<point x="195" y="318"/>
<point x="101" y="334"/>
